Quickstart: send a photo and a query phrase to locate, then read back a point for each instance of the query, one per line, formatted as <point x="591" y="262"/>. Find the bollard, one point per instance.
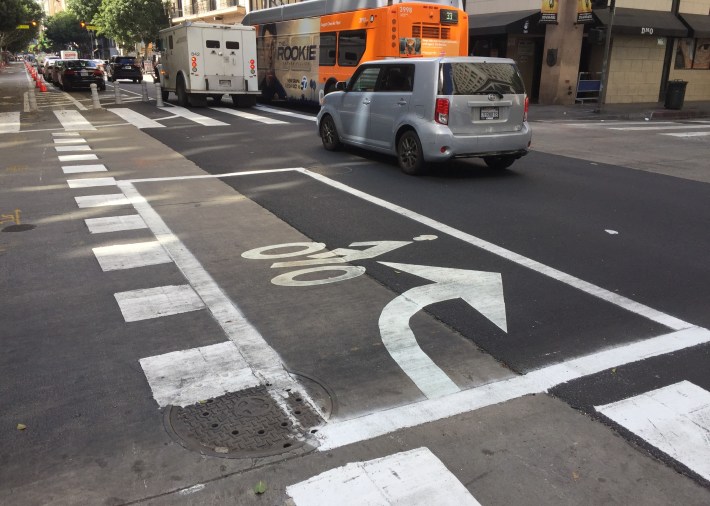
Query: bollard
<point x="158" y="96"/>
<point x="117" y="92"/>
<point x="95" y="96"/>
<point x="144" y="91"/>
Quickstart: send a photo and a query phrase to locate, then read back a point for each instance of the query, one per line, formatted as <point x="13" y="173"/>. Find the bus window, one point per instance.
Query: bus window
<point x="170" y="41"/>
<point x="212" y="44"/>
<point x="366" y="79"/>
<point x="327" y="49"/>
<point x="230" y="44"/>
<point x="351" y="46"/>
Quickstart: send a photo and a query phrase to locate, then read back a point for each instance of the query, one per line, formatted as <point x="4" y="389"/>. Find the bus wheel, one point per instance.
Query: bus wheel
<point x="180" y="92"/>
<point x="329" y="134"/>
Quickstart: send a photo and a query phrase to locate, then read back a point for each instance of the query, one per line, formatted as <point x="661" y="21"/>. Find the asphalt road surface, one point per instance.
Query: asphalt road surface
<point x="204" y="306"/>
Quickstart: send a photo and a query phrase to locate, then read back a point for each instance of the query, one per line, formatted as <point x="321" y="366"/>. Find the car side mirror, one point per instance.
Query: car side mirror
<point x="341" y="86"/>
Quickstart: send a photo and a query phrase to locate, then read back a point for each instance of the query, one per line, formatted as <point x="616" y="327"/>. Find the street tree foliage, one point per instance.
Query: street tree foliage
<point x="85" y="10"/>
<point x="14" y="13"/>
<point x="64" y="30"/>
<point x="131" y="21"/>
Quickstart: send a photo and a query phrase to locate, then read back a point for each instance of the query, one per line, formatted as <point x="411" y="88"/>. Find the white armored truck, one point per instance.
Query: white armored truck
<point x="201" y="60"/>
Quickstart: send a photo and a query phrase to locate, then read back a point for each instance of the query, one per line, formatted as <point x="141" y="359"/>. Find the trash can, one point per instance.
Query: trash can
<point x="675" y="94"/>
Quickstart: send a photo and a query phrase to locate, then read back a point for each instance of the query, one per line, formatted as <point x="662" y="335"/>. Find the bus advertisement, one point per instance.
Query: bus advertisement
<point x="304" y="49"/>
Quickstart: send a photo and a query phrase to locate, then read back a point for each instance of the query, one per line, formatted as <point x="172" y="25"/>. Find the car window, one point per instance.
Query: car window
<point x="397" y="78"/>
<point x="365" y="79"/>
<point x="125" y="60"/>
<point x="468" y="78"/>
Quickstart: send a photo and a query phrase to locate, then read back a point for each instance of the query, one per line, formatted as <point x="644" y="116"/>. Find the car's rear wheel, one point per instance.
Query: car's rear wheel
<point x="329" y="134"/>
<point x="499" y="162"/>
<point x="409" y="154"/>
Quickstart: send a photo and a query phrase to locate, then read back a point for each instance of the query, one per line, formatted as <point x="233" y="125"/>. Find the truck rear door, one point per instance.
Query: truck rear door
<point x="222" y="60"/>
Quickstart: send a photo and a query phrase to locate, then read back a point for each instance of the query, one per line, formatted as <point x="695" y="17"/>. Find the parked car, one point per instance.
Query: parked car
<point x="54" y="68"/>
<point x="431" y="110"/>
<point x="80" y="74"/>
<point x="124" y="67"/>
<point x="42" y="69"/>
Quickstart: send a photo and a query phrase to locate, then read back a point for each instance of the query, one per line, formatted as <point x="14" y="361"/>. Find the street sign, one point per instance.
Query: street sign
<point x="91" y="27"/>
<point x="23" y="27"/>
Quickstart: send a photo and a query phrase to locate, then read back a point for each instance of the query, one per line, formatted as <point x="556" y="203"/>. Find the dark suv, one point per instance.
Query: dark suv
<point x="124" y="67"/>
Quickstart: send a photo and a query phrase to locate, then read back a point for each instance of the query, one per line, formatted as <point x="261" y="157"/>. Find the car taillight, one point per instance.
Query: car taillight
<point x="441" y="115"/>
<point x="527" y="107"/>
<point x="98" y="72"/>
<point x="68" y="72"/>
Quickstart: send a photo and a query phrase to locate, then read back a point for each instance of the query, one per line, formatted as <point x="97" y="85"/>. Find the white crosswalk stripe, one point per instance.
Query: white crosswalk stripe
<point x="248" y="115"/>
<point x="9" y="122"/>
<point x="675" y="419"/>
<point x="136" y="119"/>
<point x="73" y="120"/>
<point x="197" y="118"/>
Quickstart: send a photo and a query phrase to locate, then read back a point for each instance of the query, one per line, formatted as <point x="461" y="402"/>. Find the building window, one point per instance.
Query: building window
<point x="693" y="54"/>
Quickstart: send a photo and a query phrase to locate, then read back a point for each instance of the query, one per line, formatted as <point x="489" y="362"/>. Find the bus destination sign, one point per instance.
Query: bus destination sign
<point x="449" y="17"/>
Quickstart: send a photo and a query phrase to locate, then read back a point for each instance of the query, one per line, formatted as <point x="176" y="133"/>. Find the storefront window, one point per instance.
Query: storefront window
<point x="693" y="54"/>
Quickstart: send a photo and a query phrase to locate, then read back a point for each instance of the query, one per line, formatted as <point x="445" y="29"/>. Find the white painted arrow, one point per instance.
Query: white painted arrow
<point x="482" y="290"/>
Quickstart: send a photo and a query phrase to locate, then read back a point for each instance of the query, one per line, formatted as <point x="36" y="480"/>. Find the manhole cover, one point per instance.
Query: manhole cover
<point x="243" y="424"/>
<point x="19" y="228"/>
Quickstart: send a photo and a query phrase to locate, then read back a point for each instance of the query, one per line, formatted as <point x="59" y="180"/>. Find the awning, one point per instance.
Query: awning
<point x="497" y="23"/>
<point x="643" y="22"/>
<point x="698" y="23"/>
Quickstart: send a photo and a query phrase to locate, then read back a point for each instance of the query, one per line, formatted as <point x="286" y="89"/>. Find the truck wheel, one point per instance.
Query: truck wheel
<point x="217" y="99"/>
<point x="180" y="92"/>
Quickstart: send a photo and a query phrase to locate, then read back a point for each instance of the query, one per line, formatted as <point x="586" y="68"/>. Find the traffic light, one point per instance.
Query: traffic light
<point x="33" y="22"/>
<point x="83" y="24"/>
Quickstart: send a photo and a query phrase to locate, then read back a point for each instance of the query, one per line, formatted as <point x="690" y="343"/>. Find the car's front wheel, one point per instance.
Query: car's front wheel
<point x="329" y="134"/>
<point x="499" y="162"/>
<point x="409" y="154"/>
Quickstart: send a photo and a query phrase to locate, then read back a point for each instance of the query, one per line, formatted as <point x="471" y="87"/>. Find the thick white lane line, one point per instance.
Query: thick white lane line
<point x="66" y="134"/>
<point x="9" y="122"/>
<point x="151" y="303"/>
<point x="73" y="147"/>
<point x="90" y="182"/>
<point x="136" y="119"/>
<point x="341" y="433"/>
<point x="115" y="224"/>
<point x="115" y="199"/>
<point x="129" y="256"/>
<point x="690" y="134"/>
<point x="412" y="478"/>
<point x="249" y="116"/>
<point x="675" y="419"/>
<point x="73" y="120"/>
<point x="197" y="118"/>
<point x="77" y="158"/>
<point x="185" y="377"/>
<point x="76" y="169"/>
<point x="283" y="112"/>
<point x="261" y="357"/>
<point x="669" y="127"/>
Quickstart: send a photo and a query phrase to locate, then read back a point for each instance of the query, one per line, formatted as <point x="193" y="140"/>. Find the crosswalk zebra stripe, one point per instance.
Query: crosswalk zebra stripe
<point x="675" y="419"/>
<point x="128" y="256"/>
<point x="151" y="303"/>
<point x="72" y="147"/>
<point x="689" y="134"/>
<point x="250" y="116"/>
<point x="136" y="119"/>
<point x="115" y="199"/>
<point x="90" y="182"/>
<point x="77" y="158"/>
<point x="9" y="122"/>
<point x="197" y="118"/>
<point x="75" y="169"/>
<point x="415" y="477"/>
<point x="115" y="224"/>
<point x="73" y="120"/>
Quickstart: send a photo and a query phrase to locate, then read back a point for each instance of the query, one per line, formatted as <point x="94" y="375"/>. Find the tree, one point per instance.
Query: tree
<point x="64" y="29"/>
<point x="84" y="9"/>
<point x="131" y="21"/>
<point x="19" y="12"/>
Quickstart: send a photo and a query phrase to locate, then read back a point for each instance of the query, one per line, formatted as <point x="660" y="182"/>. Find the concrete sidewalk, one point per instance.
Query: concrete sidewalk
<point x="639" y="111"/>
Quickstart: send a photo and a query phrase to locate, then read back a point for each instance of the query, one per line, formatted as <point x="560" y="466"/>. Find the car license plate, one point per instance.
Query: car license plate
<point x="83" y="73"/>
<point x="489" y="113"/>
<point x="127" y="67"/>
<point x="225" y="82"/>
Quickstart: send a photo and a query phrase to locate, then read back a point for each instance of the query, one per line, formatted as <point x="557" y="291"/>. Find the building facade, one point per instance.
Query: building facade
<point x="651" y="43"/>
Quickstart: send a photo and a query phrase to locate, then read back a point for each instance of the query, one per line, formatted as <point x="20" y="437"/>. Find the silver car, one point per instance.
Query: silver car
<point x="431" y="110"/>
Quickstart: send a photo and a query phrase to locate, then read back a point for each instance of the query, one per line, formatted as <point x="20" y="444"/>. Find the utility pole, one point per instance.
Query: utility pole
<point x="605" y="64"/>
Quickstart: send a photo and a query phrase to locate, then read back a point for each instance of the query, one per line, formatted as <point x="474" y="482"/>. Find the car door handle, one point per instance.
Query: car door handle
<point x="366" y="101"/>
